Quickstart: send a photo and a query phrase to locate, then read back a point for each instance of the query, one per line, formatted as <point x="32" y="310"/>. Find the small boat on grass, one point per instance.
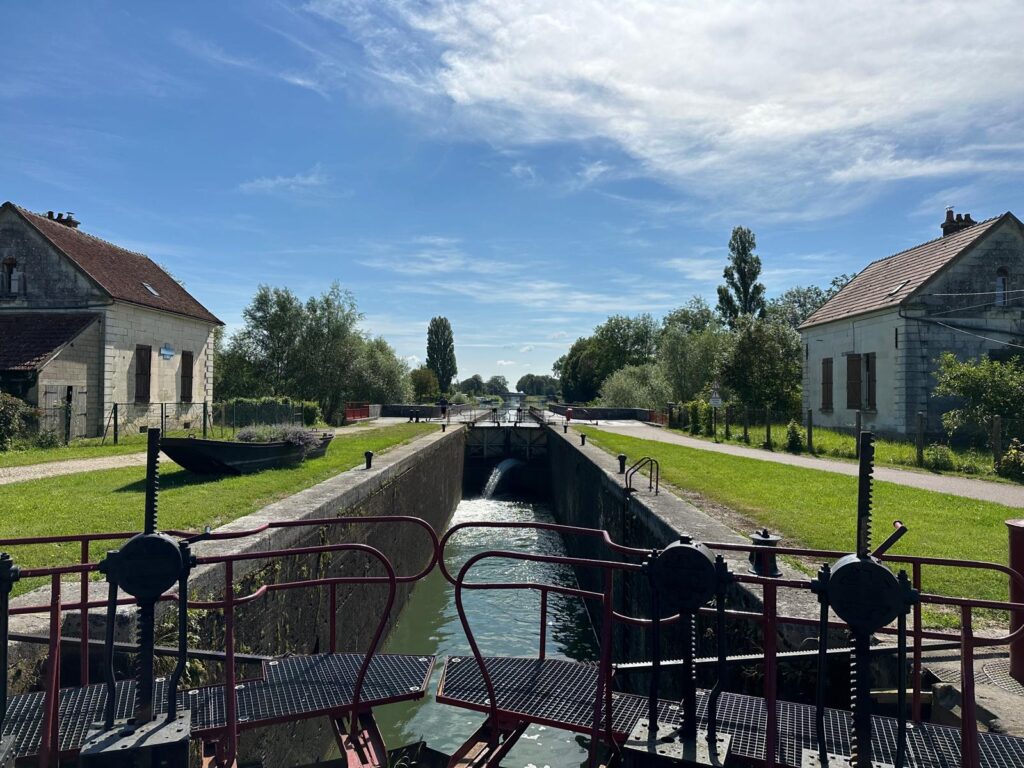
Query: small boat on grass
<point x="231" y="457"/>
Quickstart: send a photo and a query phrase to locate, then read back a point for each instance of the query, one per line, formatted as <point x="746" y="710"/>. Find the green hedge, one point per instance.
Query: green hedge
<point x="14" y="418"/>
<point x="242" y="411"/>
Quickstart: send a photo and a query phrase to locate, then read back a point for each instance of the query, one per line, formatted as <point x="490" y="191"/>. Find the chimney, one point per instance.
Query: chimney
<point x="954" y="224"/>
<point x="49" y="215"/>
<point x="67" y="219"/>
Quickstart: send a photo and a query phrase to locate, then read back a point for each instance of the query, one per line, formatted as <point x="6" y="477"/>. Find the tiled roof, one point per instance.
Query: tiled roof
<point x="122" y="273"/>
<point x="888" y="282"/>
<point x="32" y="338"/>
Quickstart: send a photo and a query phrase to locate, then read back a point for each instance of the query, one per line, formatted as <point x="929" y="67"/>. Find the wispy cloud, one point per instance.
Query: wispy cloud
<point x="504" y="363"/>
<point x="711" y="98"/>
<point x="314" y="178"/>
<point x="428" y="255"/>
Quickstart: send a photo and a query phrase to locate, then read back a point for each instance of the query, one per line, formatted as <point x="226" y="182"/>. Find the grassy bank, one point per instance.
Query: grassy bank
<point x="818" y="509"/>
<point x="113" y="500"/>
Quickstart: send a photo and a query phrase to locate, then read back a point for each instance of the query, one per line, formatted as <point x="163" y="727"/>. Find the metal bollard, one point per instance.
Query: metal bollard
<point x="763" y="563"/>
<point x="1016" y="563"/>
<point x="583" y="439"/>
<point x="622" y="463"/>
<point x="369" y="459"/>
<point x="565" y="429"/>
<point x="443" y="426"/>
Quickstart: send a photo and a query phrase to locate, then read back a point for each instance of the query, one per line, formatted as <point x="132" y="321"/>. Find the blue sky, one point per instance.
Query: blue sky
<point x="523" y="168"/>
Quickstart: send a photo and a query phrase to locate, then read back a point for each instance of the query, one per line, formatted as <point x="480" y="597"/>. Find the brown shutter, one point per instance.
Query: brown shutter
<point x="826" y="383"/>
<point x="853" y="382"/>
<point x="143" y="369"/>
<point x="187" y="366"/>
<point x="870" y="365"/>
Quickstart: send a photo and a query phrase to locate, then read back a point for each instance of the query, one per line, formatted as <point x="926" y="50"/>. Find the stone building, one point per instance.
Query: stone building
<point x="87" y="323"/>
<point x="873" y="347"/>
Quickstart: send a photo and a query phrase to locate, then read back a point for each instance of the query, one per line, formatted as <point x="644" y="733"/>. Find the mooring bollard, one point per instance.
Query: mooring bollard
<point x="443" y="426"/>
<point x="622" y="463"/>
<point x="1016" y="563"/>
<point x="762" y="563"/>
<point x="583" y="439"/>
<point x="369" y="459"/>
<point x="565" y="429"/>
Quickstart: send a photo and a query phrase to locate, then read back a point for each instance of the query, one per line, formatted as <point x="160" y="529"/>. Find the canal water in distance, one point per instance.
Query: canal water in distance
<point x="505" y="623"/>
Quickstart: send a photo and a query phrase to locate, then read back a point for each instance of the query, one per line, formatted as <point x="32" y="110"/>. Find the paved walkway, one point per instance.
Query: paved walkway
<point x="70" y="467"/>
<point x="983" y="490"/>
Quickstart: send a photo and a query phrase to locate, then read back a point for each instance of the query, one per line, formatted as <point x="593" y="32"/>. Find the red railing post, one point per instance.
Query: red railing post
<point x="543" y="621"/>
<point x="332" y="618"/>
<point x="915" y="707"/>
<point x="49" y="740"/>
<point x="770" y="642"/>
<point x="226" y="747"/>
<point x="83" y="632"/>
<point x="969" y="756"/>
<point x="1016" y="563"/>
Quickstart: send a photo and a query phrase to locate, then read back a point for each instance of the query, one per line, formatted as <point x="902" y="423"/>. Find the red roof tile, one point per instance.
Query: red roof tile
<point x="120" y="272"/>
<point x="890" y="281"/>
<point x="32" y="338"/>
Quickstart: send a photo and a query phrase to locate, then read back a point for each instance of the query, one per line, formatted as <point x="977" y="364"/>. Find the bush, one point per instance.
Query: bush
<point x="1012" y="464"/>
<point x="306" y="439"/>
<point x="972" y="463"/>
<point x="693" y="411"/>
<point x="300" y="436"/>
<point x="795" y="437"/>
<point x="707" y="419"/>
<point x="269" y="410"/>
<point x="14" y="413"/>
<point x="47" y="438"/>
<point x="939" y="458"/>
<point x="262" y="433"/>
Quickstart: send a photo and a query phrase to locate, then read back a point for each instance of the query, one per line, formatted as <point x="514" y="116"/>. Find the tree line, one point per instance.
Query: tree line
<point x="748" y="345"/>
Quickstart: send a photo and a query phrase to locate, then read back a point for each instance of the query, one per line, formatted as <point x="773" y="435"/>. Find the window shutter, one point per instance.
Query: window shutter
<point x="853" y="392"/>
<point x="187" y="366"/>
<point x="869" y="368"/>
<point x="143" y="370"/>
<point x="826" y="383"/>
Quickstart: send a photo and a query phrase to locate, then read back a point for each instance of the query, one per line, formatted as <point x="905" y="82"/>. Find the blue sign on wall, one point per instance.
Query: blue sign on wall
<point x="166" y="351"/>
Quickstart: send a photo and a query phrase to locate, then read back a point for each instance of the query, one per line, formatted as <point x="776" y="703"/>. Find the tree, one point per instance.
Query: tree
<point x="424" y="384"/>
<point x="329" y="345"/>
<point x="762" y="365"/>
<point x="273" y="321"/>
<point x="580" y="371"/>
<point x="741" y="294"/>
<point x="690" y="361"/>
<point x="532" y="384"/>
<point x="474" y="385"/>
<point x="694" y="316"/>
<point x="983" y="387"/>
<point x="441" y="352"/>
<point x="636" y="386"/>
<point x="800" y="302"/>
<point x="496" y="385"/>
<point x="380" y="375"/>
<point x="622" y="340"/>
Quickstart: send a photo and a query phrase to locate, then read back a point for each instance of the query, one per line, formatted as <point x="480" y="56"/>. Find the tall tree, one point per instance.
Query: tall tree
<point x="496" y="385"/>
<point x="424" y="384"/>
<point x="327" y="351"/>
<point x="694" y="316"/>
<point x="799" y="302"/>
<point x="381" y="376"/>
<point x="690" y="360"/>
<point x="474" y="385"/>
<point x="742" y="294"/>
<point x="763" y="364"/>
<point x="441" y="352"/>
<point x="636" y="386"/>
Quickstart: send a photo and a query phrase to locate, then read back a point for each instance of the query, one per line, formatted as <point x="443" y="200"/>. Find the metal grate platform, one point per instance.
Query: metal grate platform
<point x="293" y="687"/>
<point x="561" y="693"/>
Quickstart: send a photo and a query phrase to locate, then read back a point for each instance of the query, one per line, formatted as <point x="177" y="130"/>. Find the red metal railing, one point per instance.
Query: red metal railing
<point x="354" y="411"/>
<point x="227" y="740"/>
<point x="768" y="618"/>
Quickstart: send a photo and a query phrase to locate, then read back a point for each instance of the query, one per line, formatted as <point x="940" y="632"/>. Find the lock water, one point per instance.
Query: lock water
<point x="504" y="622"/>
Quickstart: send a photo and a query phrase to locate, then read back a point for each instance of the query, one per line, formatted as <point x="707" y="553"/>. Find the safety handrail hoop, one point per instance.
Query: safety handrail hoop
<point x="654" y="479"/>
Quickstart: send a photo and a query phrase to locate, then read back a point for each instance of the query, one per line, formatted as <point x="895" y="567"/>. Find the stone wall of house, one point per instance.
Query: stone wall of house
<point x="128" y="326"/>
<point x="50" y="281"/>
<point x="77" y="366"/>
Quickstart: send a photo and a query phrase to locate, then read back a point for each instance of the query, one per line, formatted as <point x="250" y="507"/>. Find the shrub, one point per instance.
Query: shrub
<point x="693" y="411"/>
<point x="1012" y="464"/>
<point x="707" y="419"/>
<point x="795" y="437"/>
<point x="257" y="434"/>
<point x="972" y="463"/>
<point x="306" y="439"/>
<point x="939" y="458"/>
<point x="268" y="410"/>
<point x="47" y="438"/>
<point x="14" y="414"/>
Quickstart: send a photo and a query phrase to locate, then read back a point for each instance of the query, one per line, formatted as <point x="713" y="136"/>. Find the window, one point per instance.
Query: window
<point x="853" y="364"/>
<point x="826" y="384"/>
<point x="869" y="380"/>
<point x="186" y="377"/>
<point x="12" y="277"/>
<point x="150" y="288"/>
<point x="143" y="368"/>
<point x="1002" y="283"/>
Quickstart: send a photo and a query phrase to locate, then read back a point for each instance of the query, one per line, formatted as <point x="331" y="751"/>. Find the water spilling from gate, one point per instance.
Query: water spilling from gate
<point x="497" y="474"/>
<point x="504" y="623"/>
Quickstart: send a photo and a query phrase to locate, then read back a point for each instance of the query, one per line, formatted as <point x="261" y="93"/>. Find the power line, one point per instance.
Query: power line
<point x="976" y="335"/>
<point x="978" y="306"/>
<point x="977" y="293"/>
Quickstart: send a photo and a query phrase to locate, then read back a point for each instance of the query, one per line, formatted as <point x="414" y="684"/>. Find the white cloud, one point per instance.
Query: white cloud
<point x="311" y="179"/>
<point x="412" y="360"/>
<point x="771" y="106"/>
<point x="526" y="348"/>
<point x="503" y="363"/>
<point x="524" y="172"/>
<point x="698" y="269"/>
<point x="429" y="255"/>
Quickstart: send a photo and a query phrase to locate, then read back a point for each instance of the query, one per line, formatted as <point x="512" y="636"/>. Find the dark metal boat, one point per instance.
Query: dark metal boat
<point x="228" y="457"/>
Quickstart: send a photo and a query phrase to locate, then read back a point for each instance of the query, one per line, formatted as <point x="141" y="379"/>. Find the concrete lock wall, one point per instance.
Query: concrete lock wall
<point x="587" y="491"/>
<point x="422" y="479"/>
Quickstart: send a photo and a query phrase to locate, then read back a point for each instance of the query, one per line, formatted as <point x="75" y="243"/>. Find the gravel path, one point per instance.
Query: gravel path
<point x="983" y="490"/>
<point x="71" y="467"/>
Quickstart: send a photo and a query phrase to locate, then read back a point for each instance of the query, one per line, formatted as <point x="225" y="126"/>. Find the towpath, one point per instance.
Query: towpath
<point x="983" y="490"/>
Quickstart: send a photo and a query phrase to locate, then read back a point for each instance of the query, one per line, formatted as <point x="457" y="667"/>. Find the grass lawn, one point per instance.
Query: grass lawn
<point x="113" y="500"/>
<point x="828" y="443"/>
<point x="818" y="509"/>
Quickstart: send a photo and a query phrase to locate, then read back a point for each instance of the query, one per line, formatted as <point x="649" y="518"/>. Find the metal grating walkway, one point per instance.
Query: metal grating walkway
<point x="293" y="687"/>
<point x="561" y="694"/>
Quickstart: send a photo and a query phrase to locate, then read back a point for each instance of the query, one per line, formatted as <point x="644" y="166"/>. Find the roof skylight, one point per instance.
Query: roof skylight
<point x="151" y="289"/>
<point x="893" y="292"/>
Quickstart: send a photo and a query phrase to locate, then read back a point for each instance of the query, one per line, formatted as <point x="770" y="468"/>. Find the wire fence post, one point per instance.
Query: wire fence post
<point x="117" y="430"/>
<point x="810" y="430"/>
<point x="163" y="418"/>
<point x="920" y="438"/>
<point x="206" y="417"/>
<point x="997" y="441"/>
<point x="856" y="434"/>
<point x="728" y="434"/>
<point x="746" y="425"/>
<point x="768" y="428"/>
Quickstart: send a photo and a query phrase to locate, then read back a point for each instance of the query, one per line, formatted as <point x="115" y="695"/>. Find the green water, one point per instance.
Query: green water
<point x="504" y="623"/>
